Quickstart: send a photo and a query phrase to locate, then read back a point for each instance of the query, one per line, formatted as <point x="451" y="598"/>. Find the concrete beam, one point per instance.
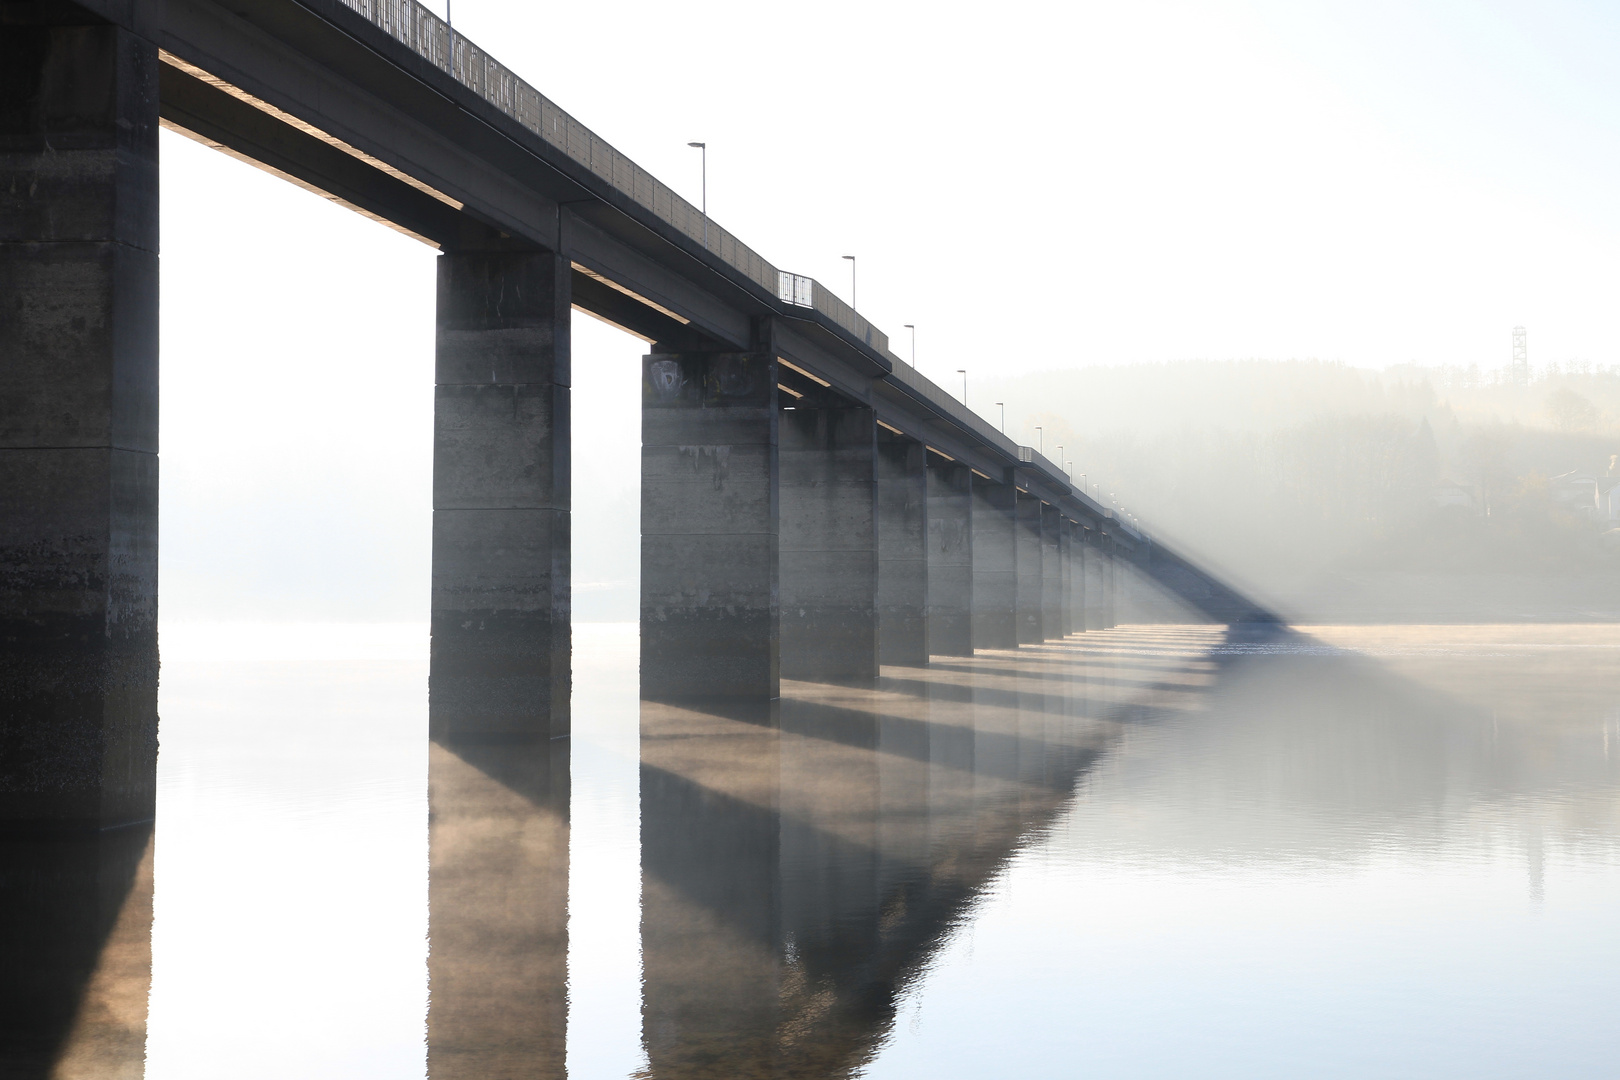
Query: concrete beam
<point x="501" y="440"/>
<point x="829" y="543"/>
<point x="902" y="551"/>
<point x="710" y="616"/>
<point x="78" y="420"/>
<point x="950" y="558"/>
<point x="995" y="566"/>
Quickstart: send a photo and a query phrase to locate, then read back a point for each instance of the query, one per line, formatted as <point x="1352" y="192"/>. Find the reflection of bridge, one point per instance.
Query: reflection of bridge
<point x="812" y="506"/>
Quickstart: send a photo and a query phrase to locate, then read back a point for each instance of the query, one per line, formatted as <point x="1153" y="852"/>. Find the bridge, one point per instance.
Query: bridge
<point x="812" y="507"/>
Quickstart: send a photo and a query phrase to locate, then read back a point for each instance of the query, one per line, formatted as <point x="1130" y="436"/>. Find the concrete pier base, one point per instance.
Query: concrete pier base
<point x="950" y="559"/>
<point x="1030" y="606"/>
<point x="501" y="636"/>
<point x="1066" y="577"/>
<point x="78" y="420"/>
<point x="709" y="510"/>
<point x="995" y="566"/>
<point x="829" y="545"/>
<point x="902" y="550"/>
<point x="1051" y="572"/>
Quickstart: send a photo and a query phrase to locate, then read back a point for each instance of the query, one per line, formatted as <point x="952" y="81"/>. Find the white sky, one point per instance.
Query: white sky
<point x="1034" y="185"/>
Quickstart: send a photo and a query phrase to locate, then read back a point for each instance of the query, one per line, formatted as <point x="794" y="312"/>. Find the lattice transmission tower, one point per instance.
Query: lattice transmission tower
<point x="1521" y="358"/>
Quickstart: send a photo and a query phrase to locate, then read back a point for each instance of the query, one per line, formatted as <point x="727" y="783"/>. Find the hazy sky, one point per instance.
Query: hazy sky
<point x="1034" y="185"/>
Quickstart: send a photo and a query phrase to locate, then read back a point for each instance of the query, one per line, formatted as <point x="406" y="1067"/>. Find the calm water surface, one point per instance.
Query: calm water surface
<point x="1150" y="852"/>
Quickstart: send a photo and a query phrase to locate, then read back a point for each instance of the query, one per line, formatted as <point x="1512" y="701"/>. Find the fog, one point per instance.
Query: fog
<point x="1100" y="212"/>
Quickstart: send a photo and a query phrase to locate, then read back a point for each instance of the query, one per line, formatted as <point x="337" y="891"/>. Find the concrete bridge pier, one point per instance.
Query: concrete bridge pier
<point x="710" y="620"/>
<point x="829" y="541"/>
<point x="78" y="420"/>
<point x="1051" y="572"/>
<point x="1094" y="579"/>
<point x="902" y="550"/>
<point x="950" y="558"/>
<point x="1110" y="583"/>
<point x="1077" y="577"/>
<point x="1066" y="566"/>
<point x="500" y="609"/>
<point x="1030" y="606"/>
<point x="995" y="566"/>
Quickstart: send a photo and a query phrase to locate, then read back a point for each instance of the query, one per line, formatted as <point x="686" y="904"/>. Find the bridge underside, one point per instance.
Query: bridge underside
<point x="809" y="508"/>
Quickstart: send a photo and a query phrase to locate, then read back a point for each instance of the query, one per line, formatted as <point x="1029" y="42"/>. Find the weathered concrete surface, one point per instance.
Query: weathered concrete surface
<point x="498" y="911"/>
<point x="1065" y="575"/>
<point x="78" y="419"/>
<point x="829" y="544"/>
<point x="501" y="634"/>
<point x="709" y="514"/>
<point x="995" y="566"/>
<point x="950" y="559"/>
<point x="1051" y="572"/>
<point x="1077" y="578"/>
<point x="902" y="550"/>
<point x="1030" y="569"/>
<point x="1094" y="559"/>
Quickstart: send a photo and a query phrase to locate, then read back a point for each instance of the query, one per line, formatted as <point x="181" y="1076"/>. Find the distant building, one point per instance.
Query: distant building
<point x="1576" y="492"/>
<point x="1449" y="493"/>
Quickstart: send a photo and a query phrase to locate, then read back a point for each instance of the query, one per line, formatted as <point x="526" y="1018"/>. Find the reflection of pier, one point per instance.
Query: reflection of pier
<point x="802" y="861"/>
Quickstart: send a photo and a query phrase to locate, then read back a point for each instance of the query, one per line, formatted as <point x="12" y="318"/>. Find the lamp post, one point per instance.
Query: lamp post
<point x="963" y="372"/>
<point x="913" y="330"/>
<point x="1003" y="406"/>
<point x="703" y="148"/>
<point x="853" y="305"/>
<point x="1040" y="440"/>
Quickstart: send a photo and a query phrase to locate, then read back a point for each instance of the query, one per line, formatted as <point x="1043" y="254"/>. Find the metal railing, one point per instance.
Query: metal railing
<point x="427" y="35"/>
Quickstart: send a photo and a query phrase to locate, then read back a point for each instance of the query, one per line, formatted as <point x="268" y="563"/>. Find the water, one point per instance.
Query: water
<point x="1149" y="852"/>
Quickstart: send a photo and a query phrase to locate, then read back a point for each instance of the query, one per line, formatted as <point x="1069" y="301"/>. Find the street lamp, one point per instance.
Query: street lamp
<point x="913" y="330"/>
<point x="703" y="148"/>
<point x="1003" y="406"/>
<point x="963" y="372"/>
<point x="852" y="303"/>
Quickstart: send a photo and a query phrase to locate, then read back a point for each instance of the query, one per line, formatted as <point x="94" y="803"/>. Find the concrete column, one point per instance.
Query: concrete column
<point x="950" y="559"/>
<point x="1077" y="577"/>
<point x="1029" y="569"/>
<point x="709" y="508"/>
<point x="78" y="419"/>
<point x="829" y="553"/>
<point x="1051" y="572"/>
<point x="1113" y="586"/>
<point x="902" y="550"/>
<point x="1066" y="566"/>
<point x="501" y="635"/>
<point x="995" y="566"/>
<point x="1096" y="558"/>
<point x="1107" y="607"/>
